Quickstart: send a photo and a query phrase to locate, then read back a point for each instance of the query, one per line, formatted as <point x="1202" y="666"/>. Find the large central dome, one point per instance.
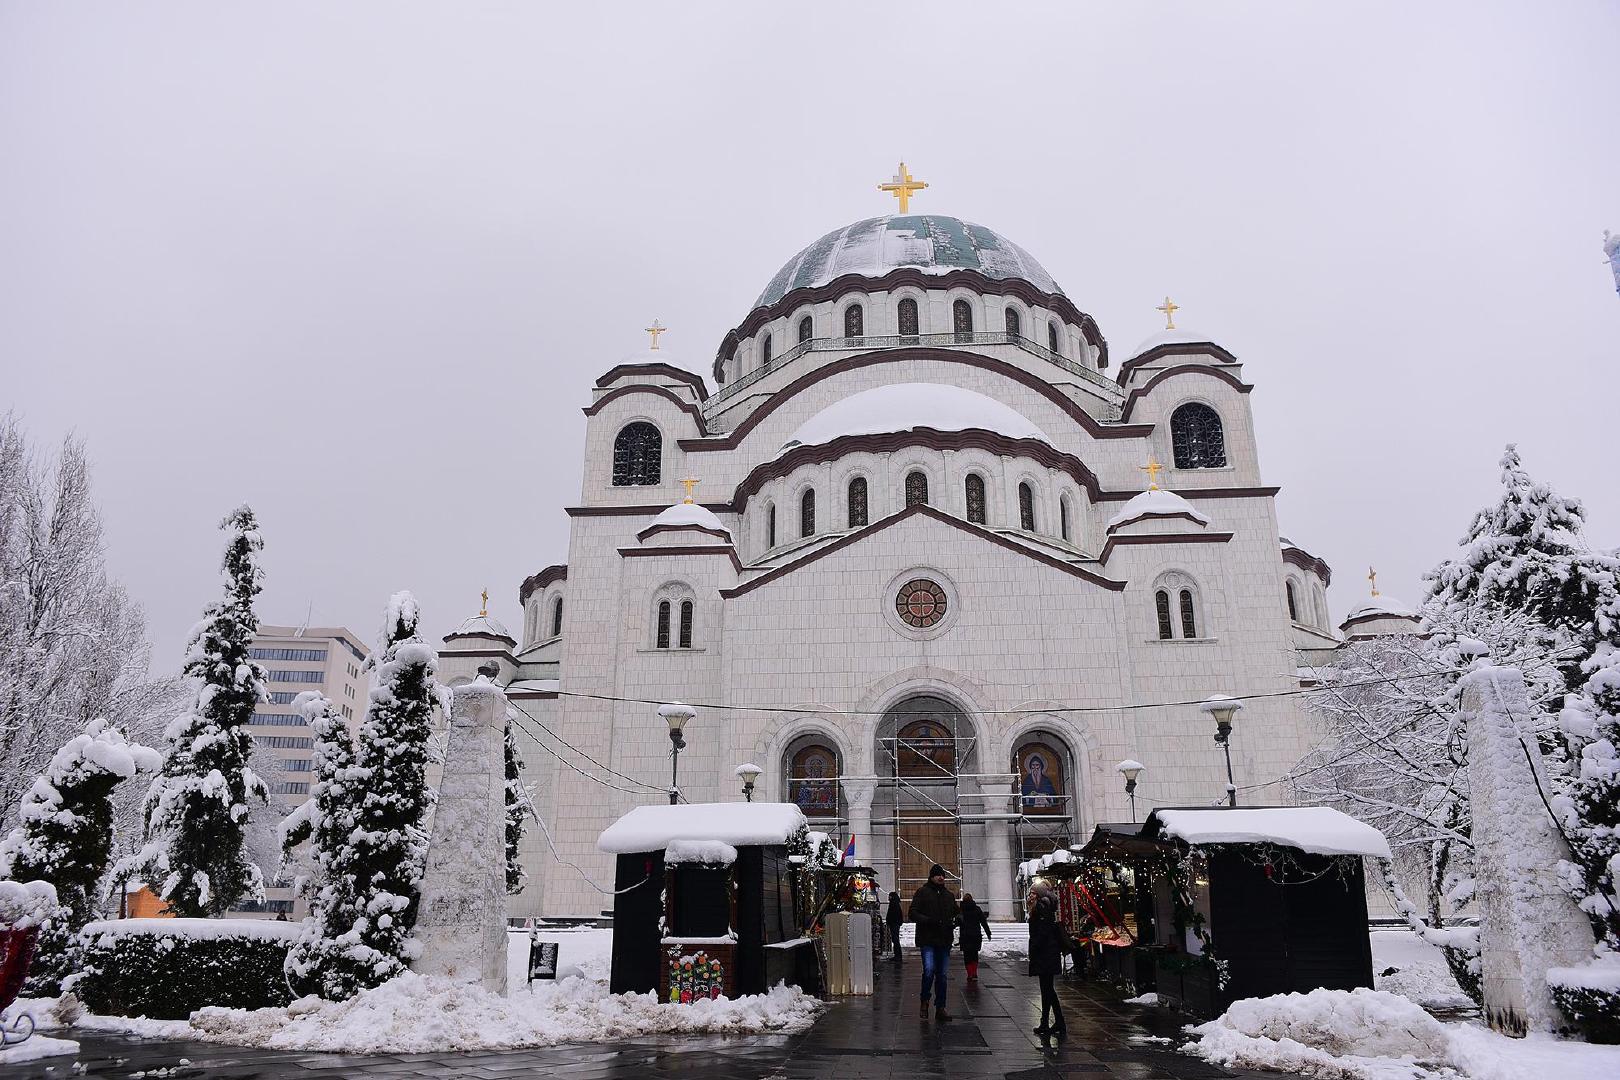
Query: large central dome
<point x="931" y="243"/>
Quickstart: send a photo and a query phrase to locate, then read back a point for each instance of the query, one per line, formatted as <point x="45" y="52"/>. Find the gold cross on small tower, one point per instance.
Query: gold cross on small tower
<point x="903" y="186"/>
<point x="690" y="482"/>
<point x="1169" y="307"/>
<point x="483" y="610"/>
<point x="1372" y="576"/>
<point x="1153" y="469"/>
<point x="655" y="329"/>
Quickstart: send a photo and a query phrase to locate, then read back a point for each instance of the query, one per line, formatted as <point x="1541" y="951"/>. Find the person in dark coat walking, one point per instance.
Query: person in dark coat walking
<point x="895" y="918"/>
<point x="933" y="909"/>
<point x="975" y="930"/>
<point x="1046" y="947"/>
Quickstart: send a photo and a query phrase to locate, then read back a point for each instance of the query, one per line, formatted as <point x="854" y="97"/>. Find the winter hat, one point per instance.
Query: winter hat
<point x="936" y="871"/>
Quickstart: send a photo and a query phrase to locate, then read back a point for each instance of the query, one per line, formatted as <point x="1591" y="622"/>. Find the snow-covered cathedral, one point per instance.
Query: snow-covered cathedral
<point x="948" y="559"/>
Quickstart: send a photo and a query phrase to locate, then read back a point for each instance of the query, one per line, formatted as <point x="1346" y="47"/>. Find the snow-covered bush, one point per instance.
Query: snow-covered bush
<point x="197" y="807"/>
<point x="1590" y="996"/>
<point x="1325" y="1033"/>
<point x="64" y="836"/>
<point x="169" y="968"/>
<point x="517" y="805"/>
<point x="25" y="904"/>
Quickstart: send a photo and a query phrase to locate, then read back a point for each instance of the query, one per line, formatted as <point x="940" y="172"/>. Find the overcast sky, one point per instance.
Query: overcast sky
<point x="358" y="264"/>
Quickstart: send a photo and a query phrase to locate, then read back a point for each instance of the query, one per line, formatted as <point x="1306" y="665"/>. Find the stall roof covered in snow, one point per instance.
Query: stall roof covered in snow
<point x="904" y="406"/>
<point x="688" y="514"/>
<point x="1157" y="503"/>
<point x="1320" y="830"/>
<point x="931" y="243"/>
<point x="654" y="828"/>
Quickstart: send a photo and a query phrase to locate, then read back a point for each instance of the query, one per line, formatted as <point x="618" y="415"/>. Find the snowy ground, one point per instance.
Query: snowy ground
<point x="1007" y="939"/>
<point x="1416" y="970"/>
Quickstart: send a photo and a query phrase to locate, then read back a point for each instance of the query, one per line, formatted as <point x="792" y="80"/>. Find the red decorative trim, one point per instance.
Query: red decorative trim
<point x="924" y="511"/>
<point x="642" y="388"/>
<point x="1161" y="538"/>
<point x="1181" y="369"/>
<point x="556" y="572"/>
<point x="1177" y="348"/>
<point x="655" y="529"/>
<point x="1157" y="516"/>
<point x="532" y="695"/>
<point x="668" y="371"/>
<point x="904" y="276"/>
<point x="895" y="356"/>
<point x="1309" y="563"/>
<point x="707" y="549"/>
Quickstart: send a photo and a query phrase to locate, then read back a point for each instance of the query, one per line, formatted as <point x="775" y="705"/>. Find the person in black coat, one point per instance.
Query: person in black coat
<point x="1047" y="942"/>
<point x="895" y="918"/>
<point x="975" y="929"/>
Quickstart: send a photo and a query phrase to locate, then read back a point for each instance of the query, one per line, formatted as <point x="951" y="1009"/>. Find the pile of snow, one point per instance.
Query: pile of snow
<point x="905" y="406"/>
<point x="32" y="1049"/>
<point x="688" y="515"/>
<point x="654" y="828"/>
<point x="25" y="903"/>
<point x="1406" y="964"/>
<point x="1320" y="830"/>
<point x="1155" y="503"/>
<point x="1602" y="973"/>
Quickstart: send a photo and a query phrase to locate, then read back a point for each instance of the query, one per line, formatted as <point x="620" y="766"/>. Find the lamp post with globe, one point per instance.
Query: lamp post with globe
<point x="1130" y="769"/>
<point x="748" y="772"/>
<point x="675" y="715"/>
<point x="1224" y="709"/>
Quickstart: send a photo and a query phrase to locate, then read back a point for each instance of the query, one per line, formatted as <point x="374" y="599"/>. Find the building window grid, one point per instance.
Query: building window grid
<point x="1052" y="338"/>
<point x="1197" y="437"/>
<point x="854" y="321"/>
<point x="1063" y="518"/>
<point x="974" y="485"/>
<point x="1161" y="603"/>
<point x="1189" y="621"/>
<point x="916" y="488"/>
<point x="288" y="654"/>
<point x="857" y="502"/>
<point x="297" y="676"/>
<point x="770" y="526"/>
<point x="663" y="624"/>
<point x="1015" y="322"/>
<point x="274" y="719"/>
<point x="1293" y="603"/>
<point x="556" y="616"/>
<point x="685" y="639"/>
<point x="962" y="318"/>
<point x="285" y="787"/>
<point x="807" y="512"/>
<point x="908" y="317"/>
<point x="805" y="329"/>
<point x="638" y="452"/>
<point x="285" y="742"/>
<point x="1026" y="507"/>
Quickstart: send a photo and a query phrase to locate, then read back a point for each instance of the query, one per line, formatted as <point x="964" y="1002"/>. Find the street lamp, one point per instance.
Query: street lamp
<point x="1131" y="769"/>
<point x="748" y="772"/>
<point x="675" y="715"/>
<point x="1223" y="709"/>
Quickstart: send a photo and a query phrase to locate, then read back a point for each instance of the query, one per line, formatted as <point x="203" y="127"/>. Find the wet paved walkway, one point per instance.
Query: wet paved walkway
<point x="874" y="1038"/>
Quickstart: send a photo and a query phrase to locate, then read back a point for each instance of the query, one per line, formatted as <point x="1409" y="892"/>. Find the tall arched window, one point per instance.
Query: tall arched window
<point x="974" y="490"/>
<point x="1015" y="324"/>
<point x="556" y="616"/>
<point x="807" y="512"/>
<point x="770" y="525"/>
<point x="1161" y="604"/>
<point x="804" y="329"/>
<point x="857" y="502"/>
<point x="1063" y="517"/>
<point x="908" y="317"/>
<point x="917" y="488"/>
<point x="765" y="352"/>
<point x="685" y="638"/>
<point x="854" y="321"/>
<point x="663" y="624"/>
<point x="1197" y="439"/>
<point x="1189" y="623"/>
<point x="1026" y="507"/>
<point x="962" y="318"/>
<point x="813" y="779"/>
<point x="1052" y="338"/>
<point x="638" y="452"/>
<point x="1293" y="602"/>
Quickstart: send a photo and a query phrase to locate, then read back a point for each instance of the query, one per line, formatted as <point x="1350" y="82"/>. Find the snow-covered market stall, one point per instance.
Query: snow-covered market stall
<point x="704" y="900"/>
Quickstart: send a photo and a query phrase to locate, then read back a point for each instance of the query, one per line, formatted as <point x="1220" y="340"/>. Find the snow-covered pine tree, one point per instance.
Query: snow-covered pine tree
<point x="517" y="804"/>
<point x="197" y="807"/>
<point x="1592" y="820"/>
<point x="64" y="836"/>
<point x="319" y="961"/>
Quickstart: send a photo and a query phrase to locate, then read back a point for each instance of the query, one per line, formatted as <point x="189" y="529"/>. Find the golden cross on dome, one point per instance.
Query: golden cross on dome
<point x="1372" y="576"/>
<point x="903" y="186"/>
<point x="1169" y="307"/>
<point x="655" y="329"/>
<point x="1153" y="469"/>
<point x="690" y="482"/>
<point x="483" y="611"/>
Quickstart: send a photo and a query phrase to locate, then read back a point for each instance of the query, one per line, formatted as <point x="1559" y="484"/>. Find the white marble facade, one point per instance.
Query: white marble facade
<point x="1050" y="635"/>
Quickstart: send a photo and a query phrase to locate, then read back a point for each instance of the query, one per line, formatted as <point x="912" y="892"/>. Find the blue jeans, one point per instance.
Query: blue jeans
<point x="936" y="962"/>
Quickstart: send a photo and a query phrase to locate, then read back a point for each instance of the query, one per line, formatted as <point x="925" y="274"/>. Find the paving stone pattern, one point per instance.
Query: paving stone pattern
<point x="876" y="1038"/>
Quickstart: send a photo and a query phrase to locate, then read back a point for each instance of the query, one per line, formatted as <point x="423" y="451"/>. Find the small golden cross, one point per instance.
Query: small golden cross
<point x="1169" y="307"/>
<point x="1153" y="469"/>
<point x="903" y="186"/>
<point x="483" y="611"/>
<point x="655" y="329"/>
<point x="1372" y="576"/>
<point x="690" y="482"/>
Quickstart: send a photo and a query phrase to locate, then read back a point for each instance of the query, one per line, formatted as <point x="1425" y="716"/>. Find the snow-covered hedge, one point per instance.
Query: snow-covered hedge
<point x="1589" y="994"/>
<point x="169" y="968"/>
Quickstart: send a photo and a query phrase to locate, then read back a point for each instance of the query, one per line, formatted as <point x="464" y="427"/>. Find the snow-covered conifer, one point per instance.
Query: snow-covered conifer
<point x="197" y="807"/>
<point x="1592" y="820"/>
<point x="517" y="805"/>
<point x="64" y="836"/>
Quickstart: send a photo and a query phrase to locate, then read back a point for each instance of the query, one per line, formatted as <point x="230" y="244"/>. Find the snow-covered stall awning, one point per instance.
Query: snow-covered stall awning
<point x="654" y="828"/>
<point x="1320" y="830"/>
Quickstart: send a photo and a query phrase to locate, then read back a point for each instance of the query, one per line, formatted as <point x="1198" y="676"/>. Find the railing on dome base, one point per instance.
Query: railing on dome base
<point x="1111" y="391"/>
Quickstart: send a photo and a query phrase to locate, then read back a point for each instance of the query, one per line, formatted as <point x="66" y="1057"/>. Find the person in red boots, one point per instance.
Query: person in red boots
<point x="975" y="931"/>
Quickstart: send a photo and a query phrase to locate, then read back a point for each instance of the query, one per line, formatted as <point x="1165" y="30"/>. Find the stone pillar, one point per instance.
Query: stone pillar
<point x="462" y="920"/>
<point x="1528" y="923"/>
<point x="998" y="800"/>
<point x="858" y="792"/>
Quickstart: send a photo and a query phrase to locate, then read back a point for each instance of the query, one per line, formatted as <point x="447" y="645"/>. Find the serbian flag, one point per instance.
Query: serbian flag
<point x="849" y="852"/>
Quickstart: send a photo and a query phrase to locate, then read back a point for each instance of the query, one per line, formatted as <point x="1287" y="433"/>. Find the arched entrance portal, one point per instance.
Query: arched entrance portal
<point x="925" y="749"/>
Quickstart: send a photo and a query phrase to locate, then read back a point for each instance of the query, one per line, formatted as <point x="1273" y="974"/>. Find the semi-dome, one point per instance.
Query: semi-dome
<point x="931" y="243"/>
<point x="904" y="406"/>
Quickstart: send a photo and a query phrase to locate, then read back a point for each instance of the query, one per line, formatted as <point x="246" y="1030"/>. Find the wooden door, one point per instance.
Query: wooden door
<point x="921" y="844"/>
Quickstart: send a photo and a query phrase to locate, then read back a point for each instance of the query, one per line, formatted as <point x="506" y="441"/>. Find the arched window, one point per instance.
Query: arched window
<point x="1161" y="602"/>
<point x="556" y="616"/>
<point x="962" y="318"/>
<point x="854" y="321"/>
<point x="1189" y="623"/>
<point x="974" y="489"/>
<point x="685" y="638"/>
<point x="807" y="512"/>
<point x="1015" y="324"/>
<point x="908" y="317"/>
<point x="1063" y="517"/>
<point x="1321" y="606"/>
<point x="638" y="452"/>
<point x="1052" y="338"/>
<point x="857" y="502"/>
<point x="1026" y="507"/>
<point x="917" y="488"/>
<point x="765" y="352"/>
<point x="662" y="641"/>
<point x="1293" y="602"/>
<point x="770" y="526"/>
<point x="804" y="329"/>
<point x="1197" y="439"/>
<point x="1041" y="769"/>
<point x="813" y="779"/>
